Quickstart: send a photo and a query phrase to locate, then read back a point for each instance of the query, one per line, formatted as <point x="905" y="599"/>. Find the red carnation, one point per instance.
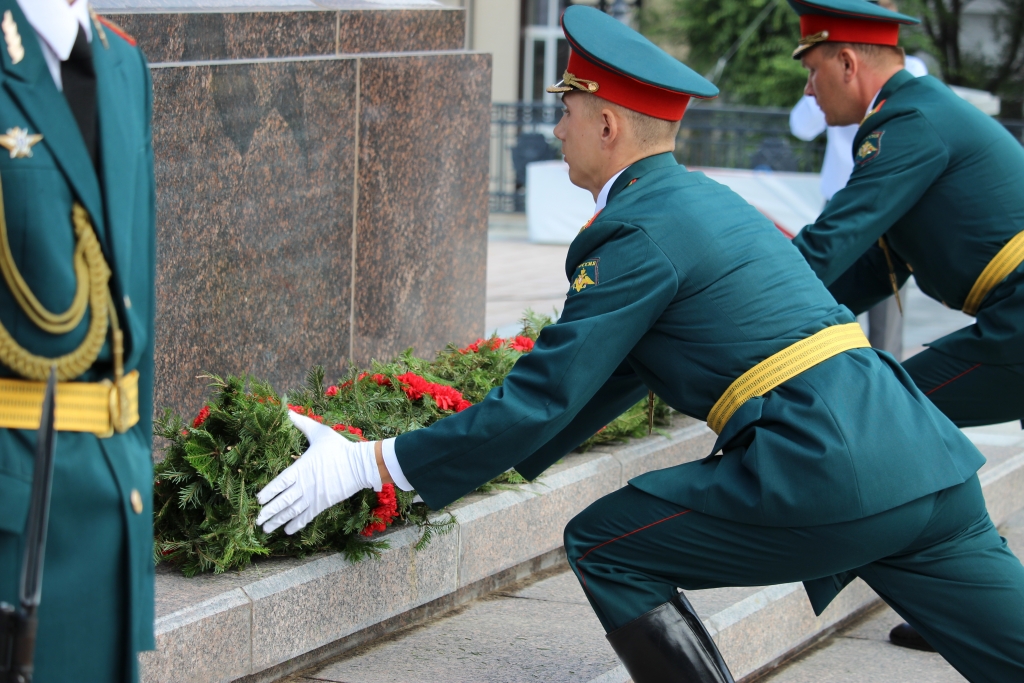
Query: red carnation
<point x="381" y="380"/>
<point x="385" y="511"/>
<point x="331" y="391"/>
<point x="446" y="398"/>
<point x="201" y="417"/>
<point x="496" y="343"/>
<point x="462" y="405"/>
<point x="413" y="385"/>
<point x="521" y="343"/>
<point x="297" y="409"/>
<point x="472" y="348"/>
<point x="314" y="416"/>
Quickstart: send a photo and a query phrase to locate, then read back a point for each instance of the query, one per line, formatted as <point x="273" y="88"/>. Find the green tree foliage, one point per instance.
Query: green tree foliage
<point x="761" y="72"/>
<point x="941" y="25"/>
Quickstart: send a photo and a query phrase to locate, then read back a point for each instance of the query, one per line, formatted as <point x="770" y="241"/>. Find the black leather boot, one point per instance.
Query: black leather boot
<point x="906" y="635"/>
<point x="669" y="644"/>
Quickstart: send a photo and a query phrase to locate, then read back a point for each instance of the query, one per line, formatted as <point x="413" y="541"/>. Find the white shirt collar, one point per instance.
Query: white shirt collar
<point x="873" y="100"/>
<point x="602" y="197"/>
<point x="56" y="25"/>
<point x="56" y="22"/>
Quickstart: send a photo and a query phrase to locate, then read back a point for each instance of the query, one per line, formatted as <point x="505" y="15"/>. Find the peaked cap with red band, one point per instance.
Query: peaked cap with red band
<point x="614" y="62"/>
<point x="846" y="21"/>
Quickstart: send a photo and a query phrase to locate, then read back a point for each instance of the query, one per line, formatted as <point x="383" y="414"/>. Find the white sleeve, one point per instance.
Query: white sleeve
<point x="391" y="462"/>
<point x="916" y="66"/>
<point x="807" y="121"/>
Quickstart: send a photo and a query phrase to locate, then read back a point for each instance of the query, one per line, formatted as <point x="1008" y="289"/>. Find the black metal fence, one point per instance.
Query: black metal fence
<point x="724" y="137"/>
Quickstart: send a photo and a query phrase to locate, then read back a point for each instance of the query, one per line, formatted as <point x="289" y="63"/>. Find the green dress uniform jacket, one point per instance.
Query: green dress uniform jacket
<point x="691" y="288"/>
<point x="97" y="597"/>
<point x="942" y="182"/>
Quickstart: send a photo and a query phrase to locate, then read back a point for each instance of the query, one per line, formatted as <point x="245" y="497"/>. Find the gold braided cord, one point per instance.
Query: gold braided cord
<point x="53" y="323"/>
<point x="783" y="366"/>
<point x="92" y="270"/>
<point x="1004" y="263"/>
<point x="892" y="272"/>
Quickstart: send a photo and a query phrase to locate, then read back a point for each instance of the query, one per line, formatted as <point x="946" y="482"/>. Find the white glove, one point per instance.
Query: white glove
<point x="331" y="470"/>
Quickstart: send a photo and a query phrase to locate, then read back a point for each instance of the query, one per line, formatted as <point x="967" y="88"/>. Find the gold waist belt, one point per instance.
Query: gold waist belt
<point x="94" y="407"/>
<point x="1004" y="263"/>
<point x="783" y="366"/>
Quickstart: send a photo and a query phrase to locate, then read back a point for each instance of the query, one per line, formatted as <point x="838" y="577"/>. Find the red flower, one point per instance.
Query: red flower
<point x="348" y="428"/>
<point x="496" y="343"/>
<point x="347" y="384"/>
<point x="297" y="409"/>
<point x="520" y="343"/>
<point x="381" y="380"/>
<point x="472" y="348"/>
<point x="413" y="385"/>
<point x="385" y="511"/>
<point x="462" y="405"/>
<point x="314" y="416"/>
<point x="201" y="417"/>
<point x="446" y="398"/>
<point x="331" y="391"/>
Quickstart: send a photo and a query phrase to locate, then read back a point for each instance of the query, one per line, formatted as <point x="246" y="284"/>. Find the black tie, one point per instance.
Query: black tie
<point x="79" y="79"/>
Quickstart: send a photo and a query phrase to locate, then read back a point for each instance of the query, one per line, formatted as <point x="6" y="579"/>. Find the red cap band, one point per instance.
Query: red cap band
<point x="628" y="92"/>
<point x="848" y="30"/>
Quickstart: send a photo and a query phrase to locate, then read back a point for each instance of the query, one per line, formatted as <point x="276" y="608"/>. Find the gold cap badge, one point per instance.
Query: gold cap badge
<point x="569" y="81"/>
<point x="14" y="47"/>
<point x="19" y="141"/>
<point x="810" y="41"/>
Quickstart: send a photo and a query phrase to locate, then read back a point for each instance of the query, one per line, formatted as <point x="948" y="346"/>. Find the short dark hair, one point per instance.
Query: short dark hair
<point x="648" y="131"/>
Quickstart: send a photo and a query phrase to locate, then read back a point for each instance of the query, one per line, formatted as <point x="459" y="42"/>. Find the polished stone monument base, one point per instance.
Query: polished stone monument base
<point x="321" y="185"/>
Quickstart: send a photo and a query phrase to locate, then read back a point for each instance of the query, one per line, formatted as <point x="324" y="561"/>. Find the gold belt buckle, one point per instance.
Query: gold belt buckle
<point x="119" y="410"/>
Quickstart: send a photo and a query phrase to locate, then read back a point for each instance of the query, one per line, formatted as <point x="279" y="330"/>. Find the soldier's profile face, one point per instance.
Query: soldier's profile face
<point x="827" y="82"/>
<point x="580" y="132"/>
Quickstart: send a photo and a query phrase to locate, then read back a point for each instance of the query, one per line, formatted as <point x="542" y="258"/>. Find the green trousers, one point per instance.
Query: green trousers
<point x="938" y="561"/>
<point x="968" y="393"/>
<point x="82" y="631"/>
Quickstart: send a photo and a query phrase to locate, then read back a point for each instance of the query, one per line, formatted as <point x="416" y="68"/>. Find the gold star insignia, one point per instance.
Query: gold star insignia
<point x="19" y="142"/>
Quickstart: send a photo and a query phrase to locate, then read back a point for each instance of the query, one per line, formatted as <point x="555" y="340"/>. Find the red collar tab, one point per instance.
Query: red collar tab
<point x="116" y="29"/>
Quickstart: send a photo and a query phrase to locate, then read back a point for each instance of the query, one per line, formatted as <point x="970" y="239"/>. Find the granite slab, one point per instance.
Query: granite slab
<point x="290" y="30"/>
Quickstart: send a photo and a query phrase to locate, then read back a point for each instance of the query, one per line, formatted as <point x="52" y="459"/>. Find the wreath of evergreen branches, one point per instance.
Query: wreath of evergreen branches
<point x="205" y="487"/>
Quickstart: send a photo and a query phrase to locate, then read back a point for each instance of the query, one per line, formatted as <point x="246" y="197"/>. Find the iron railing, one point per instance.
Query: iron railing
<point x="723" y="137"/>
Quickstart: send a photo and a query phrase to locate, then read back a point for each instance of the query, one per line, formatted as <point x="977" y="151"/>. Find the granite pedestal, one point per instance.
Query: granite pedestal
<point x="321" y="177"/>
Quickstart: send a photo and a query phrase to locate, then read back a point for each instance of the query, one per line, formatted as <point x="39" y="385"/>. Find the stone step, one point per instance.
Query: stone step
<point x="285" y="614"/>
<point x="544" y="630"/>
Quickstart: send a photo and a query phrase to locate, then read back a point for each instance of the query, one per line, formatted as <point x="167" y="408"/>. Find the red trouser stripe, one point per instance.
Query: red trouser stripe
<point x="952" y="379"/>
<point x="619" y="538"/>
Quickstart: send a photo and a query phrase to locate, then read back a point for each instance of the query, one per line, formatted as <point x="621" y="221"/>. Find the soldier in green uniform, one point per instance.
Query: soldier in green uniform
<point x="935" y="191"/>
<point x="77" y="254"/>
<point x="829" y="464"/>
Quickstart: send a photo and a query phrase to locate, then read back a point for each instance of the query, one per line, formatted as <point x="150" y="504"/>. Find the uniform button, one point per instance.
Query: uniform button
<point x="127" y="301"/>
<point x="136" y="498"/>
